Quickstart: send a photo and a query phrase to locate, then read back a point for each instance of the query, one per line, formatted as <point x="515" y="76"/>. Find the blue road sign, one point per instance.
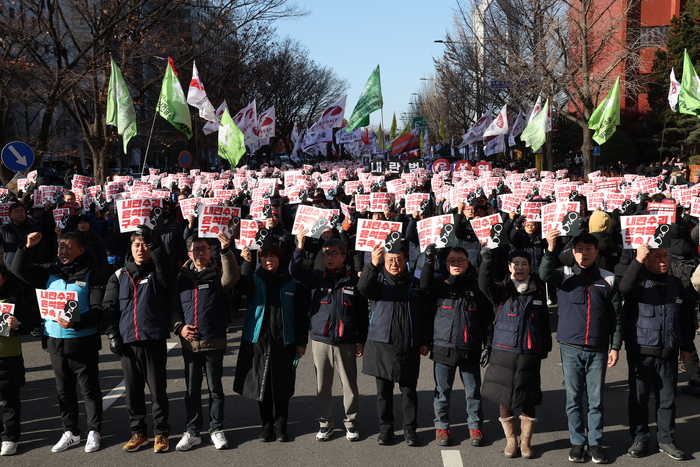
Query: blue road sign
<point x="17" y="156"/>
<point x="596" y="150"/>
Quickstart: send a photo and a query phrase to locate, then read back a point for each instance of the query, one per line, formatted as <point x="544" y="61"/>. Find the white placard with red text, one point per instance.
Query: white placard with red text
<point x="429" y="230"/>
<point x="371" y="233"/>
<point x="640" y="230"/>
<point x="52" y="304"/>
<point x="482" y="228"/>
<point x="135" y="212"/>
<point x="214" y="220"/>
<point x="553" y="215"/>
<point x="248" y="233"/>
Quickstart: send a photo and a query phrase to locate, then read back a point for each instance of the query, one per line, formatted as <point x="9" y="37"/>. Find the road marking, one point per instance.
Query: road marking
<point x="119" y="389"/>
<point x="451" y="458"/>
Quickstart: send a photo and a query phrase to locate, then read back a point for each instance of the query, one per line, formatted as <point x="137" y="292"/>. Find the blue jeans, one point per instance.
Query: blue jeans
<point x="212" y="362"/>
<point x="444" y="378"/>
<point x="584" y="371"/>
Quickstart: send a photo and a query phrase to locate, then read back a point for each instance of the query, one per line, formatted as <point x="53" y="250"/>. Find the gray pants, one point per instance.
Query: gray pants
<point x="327" y="359"/>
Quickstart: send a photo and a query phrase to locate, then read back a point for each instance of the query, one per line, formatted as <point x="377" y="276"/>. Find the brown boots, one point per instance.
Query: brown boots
<point x="527" y="425"/>
<point x="508" y="424"/>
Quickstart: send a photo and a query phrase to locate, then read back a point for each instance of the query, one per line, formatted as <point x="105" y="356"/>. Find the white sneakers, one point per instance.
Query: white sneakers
<point x="67" y="440"/>
<point x="218" y="439"/>
<point x="93" y="441"/>
<point x="324" y="434"/>
<point x="187" y="441"/>
<point x="352" y="434"/>
<point x="8" y="448"/>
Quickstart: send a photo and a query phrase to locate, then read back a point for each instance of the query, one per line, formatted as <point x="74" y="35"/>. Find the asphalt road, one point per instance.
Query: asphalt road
<point x="42" y="427"/>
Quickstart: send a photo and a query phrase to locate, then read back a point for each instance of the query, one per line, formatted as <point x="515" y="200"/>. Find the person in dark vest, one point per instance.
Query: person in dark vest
<point x="72" y="345"/>
<point x="459" y="334"/>
<point x="199" y="315"/>
<point x="518" y="340"/>
<point x="400" y="332"/>
<point x="137" y="324"/>
<point x="658" y="323"/>
<point x="338" y="325"/>
<point x="590" y="336"/>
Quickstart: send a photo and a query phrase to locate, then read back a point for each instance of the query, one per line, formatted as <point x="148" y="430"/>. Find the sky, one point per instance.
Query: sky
<point x="353" y="37"/>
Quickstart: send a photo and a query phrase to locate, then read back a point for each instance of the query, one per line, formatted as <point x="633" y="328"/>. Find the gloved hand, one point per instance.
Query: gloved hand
<point x="115" y="340"/>
<point x="146" y="233"/>
<point x="485" y="357"/>
<point x="430" y="253"/>
<point x="485" y="253"/>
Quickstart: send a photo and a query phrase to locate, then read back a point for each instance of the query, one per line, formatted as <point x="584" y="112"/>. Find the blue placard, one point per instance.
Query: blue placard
<point x="17" y="156"/>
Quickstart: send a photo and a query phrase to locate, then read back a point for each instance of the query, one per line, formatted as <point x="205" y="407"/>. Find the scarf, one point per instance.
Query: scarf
<point x="520" y="286"/>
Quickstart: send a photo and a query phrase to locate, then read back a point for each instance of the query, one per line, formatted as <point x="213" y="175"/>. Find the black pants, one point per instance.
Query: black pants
<point x="83" y="370"/>
<point x="281" y="408"/>
<point x="11" y="411"/>
<point x="385" y="404"/>
<point x="144" y="363"/>
<point x="647" y="373"/>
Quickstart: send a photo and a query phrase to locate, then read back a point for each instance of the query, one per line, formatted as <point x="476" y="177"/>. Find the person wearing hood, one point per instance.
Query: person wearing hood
<point x="137" y="325"/>
<point x="94" y="245"/>
<point x="73" y="346"/>
<point x="275" y="333"/>
<point x="400" y="332"/>
<point x="459" y="333"/>
<point x="199" y="315"/>
<point x="517" y="342"/>
<point x="609" y="252"/>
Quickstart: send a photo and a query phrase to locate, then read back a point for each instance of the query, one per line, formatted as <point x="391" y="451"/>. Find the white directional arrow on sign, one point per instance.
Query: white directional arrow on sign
<point x="20" y="159"/>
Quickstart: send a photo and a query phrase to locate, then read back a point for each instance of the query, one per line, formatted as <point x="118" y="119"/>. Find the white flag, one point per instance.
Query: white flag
<point x="452" y="148"/>
<point x="295" y="133"/>
<point x="247" y="121"/>
<point x="516" y="129"/>
<point x="213" y="125"/>
<point x="476" y="132"/>
<point x="673" y="91"/>
<point x="332" y="117"/>
<point x="297" y="147"/>
<point x="499" y="125"/>
<point x="197" y="96"/>
<point x="496" y="145"/>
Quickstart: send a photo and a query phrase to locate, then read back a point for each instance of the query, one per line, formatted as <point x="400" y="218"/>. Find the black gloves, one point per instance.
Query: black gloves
<point x="146" y="233"/>
<point x="115" y="340"/>
<point x="486" y="253"/>
<point x="485" y="357"/>
<point x="430" y="253"/>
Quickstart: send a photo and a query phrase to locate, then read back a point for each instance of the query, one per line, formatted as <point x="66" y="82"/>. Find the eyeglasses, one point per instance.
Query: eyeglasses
<point x="200" y="251"/>
<point x="456" y="261"/>
<point x="331" y="254"/>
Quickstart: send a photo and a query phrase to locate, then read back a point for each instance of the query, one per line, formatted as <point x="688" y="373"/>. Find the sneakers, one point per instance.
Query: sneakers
<point x="8" y="448"/>
<point x="385" y="437"/>
<point x="576" y="453"/>
<point x="477" y="437"/>
<point x="638" y="449"/>
<point x="137" y="440"/>
<point x="67" y="440"/>
<point x="351" y="434"/>
<point x="187" y="441"/>
<point x="93" y="441"/>
<point x="218" y="439"/>
<point x="442" y="437"/>
<point x="161" y="443"/>
<point x="597" y="454"/>
<point x="411" y="437"/>
<point x="324" y="434"/>
<point x="669" y="449"/>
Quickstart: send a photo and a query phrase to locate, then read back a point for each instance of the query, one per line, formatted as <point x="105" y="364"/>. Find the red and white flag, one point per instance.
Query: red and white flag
<point x="332" y="117"/>
<point x="197" y="96"/>
<point x="247" y="121"/>
<point x="476" y="132"/>
<point x="213" y="125"/>
<point x="499" y="125"/>
<point x="673" y="91"/>
<point x="266" y="126"/>
<point x="516" y="129"/>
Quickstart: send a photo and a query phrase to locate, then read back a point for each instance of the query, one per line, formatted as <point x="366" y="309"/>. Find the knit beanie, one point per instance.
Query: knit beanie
<point x="599" y="222"/>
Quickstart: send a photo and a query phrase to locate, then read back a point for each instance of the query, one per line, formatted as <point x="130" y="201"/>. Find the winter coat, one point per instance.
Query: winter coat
<point x="11" y="360"/>
<point x="13" y="236"/>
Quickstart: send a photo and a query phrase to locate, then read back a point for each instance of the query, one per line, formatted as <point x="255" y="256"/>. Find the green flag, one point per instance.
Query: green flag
<point x="405" y="130"/>
<point x="536" y="131"/>
<point x="172" y="104"/>
<point x="370" y="100"/>
<point x="689" y="96"/>
<point x="606" y="116"/>
<point x="392" y="130"/>
<point x="231" y="146"/>
<point x="120" y="107"/>
<point x="441" y="129"/>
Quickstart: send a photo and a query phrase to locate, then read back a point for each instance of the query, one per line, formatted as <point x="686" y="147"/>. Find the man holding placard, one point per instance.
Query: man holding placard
<point x="66" y="285"/>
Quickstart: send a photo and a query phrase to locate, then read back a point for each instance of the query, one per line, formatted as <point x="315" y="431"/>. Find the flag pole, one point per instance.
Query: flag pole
<point x="148" y="145"/>
<point x="381" y="110"/>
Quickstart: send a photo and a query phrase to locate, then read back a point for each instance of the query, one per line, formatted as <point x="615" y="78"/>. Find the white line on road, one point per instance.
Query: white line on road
<point x="451" y="458"/>
<point x="119" y="389"/>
